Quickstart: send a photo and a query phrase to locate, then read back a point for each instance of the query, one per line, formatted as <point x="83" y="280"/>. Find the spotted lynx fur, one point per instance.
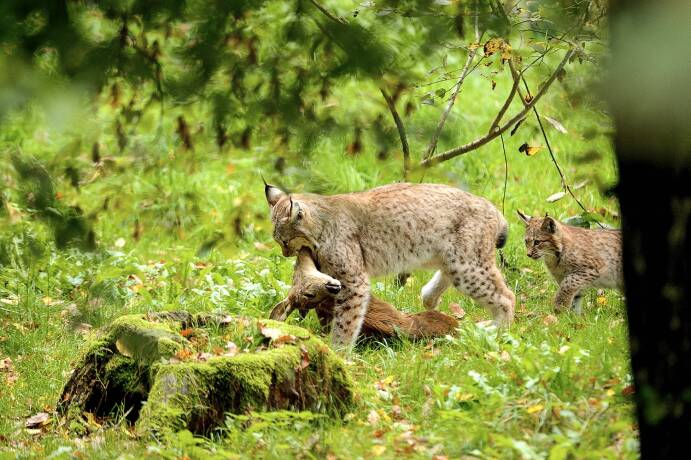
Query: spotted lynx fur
<point x="576" y="257"/>
<point x="313" y="289"/>
<point x="392" y="229"/>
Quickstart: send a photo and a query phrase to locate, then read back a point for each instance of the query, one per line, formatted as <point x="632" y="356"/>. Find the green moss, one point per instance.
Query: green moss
<point x="196" y="395"/>
<point x="124" y="374"/>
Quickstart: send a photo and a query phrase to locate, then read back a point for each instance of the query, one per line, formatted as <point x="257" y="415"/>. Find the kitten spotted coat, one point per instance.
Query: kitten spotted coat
<point x="576" y="257"/>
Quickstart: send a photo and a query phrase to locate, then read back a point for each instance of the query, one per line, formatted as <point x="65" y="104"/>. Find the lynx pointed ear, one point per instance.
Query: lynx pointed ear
<point x="273" y="194"/>
<point x="524" y="217"/>
<point x="549" y="225"/>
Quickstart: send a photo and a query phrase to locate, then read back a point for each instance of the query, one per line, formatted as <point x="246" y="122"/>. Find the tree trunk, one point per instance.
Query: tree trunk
<point x="650" y="102"/>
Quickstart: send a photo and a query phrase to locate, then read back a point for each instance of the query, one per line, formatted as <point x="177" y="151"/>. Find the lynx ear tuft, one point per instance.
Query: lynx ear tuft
<point x="273" y="194"/>
<point x="524" y="217"/>
<point x="549" y="225"/>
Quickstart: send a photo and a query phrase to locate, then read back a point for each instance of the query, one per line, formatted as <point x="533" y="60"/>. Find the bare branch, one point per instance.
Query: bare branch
<point x="327" y="13"/>
<point x="401" y="132"/>
<point x="460" y="150"/>
<point x="509" y="98"/>
<point x="457" y="88"/>
<point x="565" y="185"/>
<point x="432" y="147"/>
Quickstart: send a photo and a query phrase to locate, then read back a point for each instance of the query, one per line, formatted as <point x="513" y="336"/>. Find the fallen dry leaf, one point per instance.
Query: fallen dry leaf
<point x="373" y="417"/>
<point x="305" y="360"/>
<point x="558" y="126"/>
<point x="38" y="420"/>
<point x="231" y="349"/>
<point x="270" y="332"/>
<point x="286" y="338"/>
<point x="7" y="368"/>
<point x="548" y="320"/>
<point x="6" y="365"/>
<point x="628" y="390"/>
<point x="261" y="246"/>
<point x="534" y="409"/>
<point x="456" y="310"/>
<point x="555" y="197"/>
<point x="187" y="332"/>
<point x="378" y="450"/>
<point x="183" y="355"/>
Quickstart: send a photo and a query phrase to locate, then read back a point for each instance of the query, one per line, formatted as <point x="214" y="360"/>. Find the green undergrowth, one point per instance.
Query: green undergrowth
<point x="189" y="230"/>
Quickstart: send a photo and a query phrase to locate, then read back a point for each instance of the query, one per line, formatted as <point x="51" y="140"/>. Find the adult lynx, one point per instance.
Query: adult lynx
<point x="391" y="229"/>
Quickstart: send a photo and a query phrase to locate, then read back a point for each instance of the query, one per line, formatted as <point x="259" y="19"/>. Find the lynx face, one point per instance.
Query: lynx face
<point x="541" y="236"/>
<point x="291" y="222"/>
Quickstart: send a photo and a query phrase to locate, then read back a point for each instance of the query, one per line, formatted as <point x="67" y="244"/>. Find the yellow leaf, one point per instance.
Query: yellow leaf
<point x="536" y="408"/>
<point x="461" y="397"/>
<point x="529" y="150"/>
<point x="495" y="44"/>
<point x="378" y="450"/>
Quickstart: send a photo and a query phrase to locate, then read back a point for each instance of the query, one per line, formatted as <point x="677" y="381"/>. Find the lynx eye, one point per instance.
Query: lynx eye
<point x="309" y="295"/>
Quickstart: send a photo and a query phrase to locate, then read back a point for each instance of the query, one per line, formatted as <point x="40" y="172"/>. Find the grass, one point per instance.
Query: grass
<point x="189" y="230"/>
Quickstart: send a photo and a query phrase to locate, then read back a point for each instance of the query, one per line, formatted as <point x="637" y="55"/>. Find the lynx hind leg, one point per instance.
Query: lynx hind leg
<point x="485" y="284"/>
<point x="432" y="291"/>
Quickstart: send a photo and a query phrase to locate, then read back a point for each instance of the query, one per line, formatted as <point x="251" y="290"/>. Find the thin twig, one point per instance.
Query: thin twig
<point x="479" y="142"/>
<point x="401" y="132"/>
<point x="565" y="185"/>
<point x="502" y="260"/>
<point x="327" y="13"/>
<point x="507" y="103"/>
<point x="506" y="172"/>
<point x="432" y="147"/>
<point x="457" y="88"/>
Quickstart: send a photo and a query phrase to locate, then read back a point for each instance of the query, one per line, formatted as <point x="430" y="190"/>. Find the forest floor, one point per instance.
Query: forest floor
<point x="185" y="230"/>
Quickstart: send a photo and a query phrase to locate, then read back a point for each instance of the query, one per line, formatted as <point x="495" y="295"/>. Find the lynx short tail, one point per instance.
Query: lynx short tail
<point x="503" y="232"/>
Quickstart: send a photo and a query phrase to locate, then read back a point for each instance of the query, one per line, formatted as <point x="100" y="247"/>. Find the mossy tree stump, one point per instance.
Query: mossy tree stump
<point x="171" y="371"/>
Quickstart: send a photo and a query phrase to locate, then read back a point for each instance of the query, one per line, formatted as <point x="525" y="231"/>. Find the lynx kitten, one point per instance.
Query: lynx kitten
<point x="577" y="257"/>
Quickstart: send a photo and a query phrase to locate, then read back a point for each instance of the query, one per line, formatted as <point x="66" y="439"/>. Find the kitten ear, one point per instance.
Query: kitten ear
<point x="273" y="194"/>
<point x="296" y="211"/>
<point x="549" y="225"/>
<point x="524" y="217"/>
